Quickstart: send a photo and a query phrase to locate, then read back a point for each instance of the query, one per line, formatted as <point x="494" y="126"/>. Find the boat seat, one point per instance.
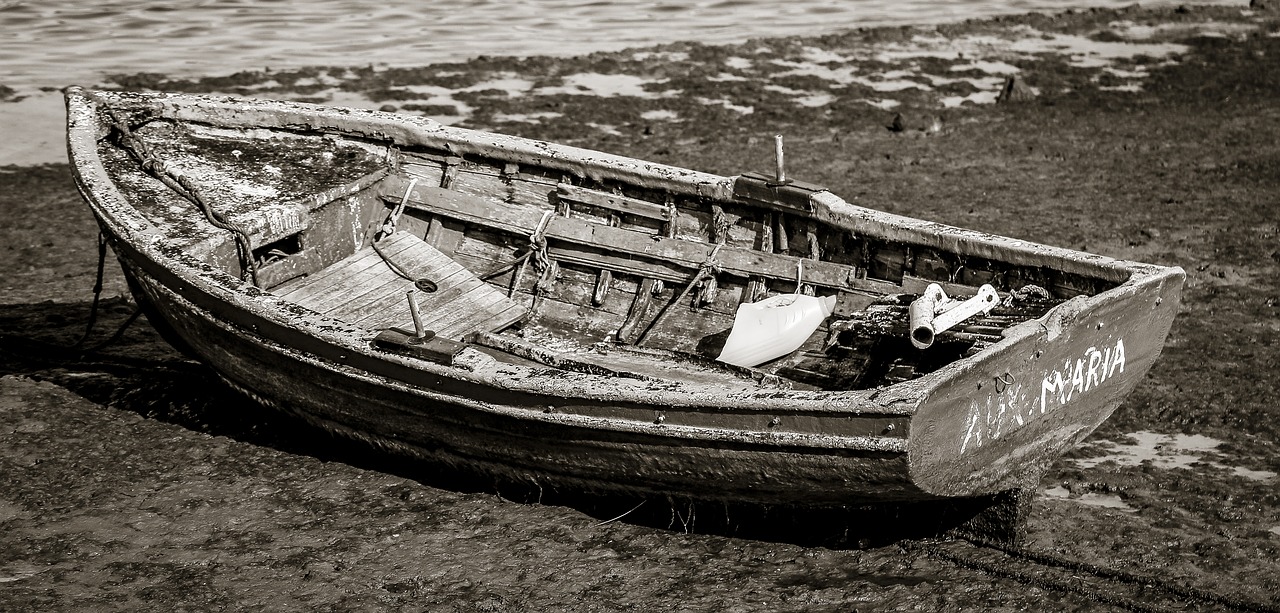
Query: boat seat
<point x="364" y="290"/>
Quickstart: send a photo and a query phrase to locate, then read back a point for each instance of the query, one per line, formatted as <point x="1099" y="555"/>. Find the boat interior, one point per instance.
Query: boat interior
<point x="431" y="251"/>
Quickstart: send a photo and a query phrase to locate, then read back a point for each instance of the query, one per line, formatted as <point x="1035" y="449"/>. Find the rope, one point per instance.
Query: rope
<point x="396" y="268"/>
<point x="389" y="226"/>
<point x="97" y="291"/>
<point x="709" y="286"/>
<point x="538" y="254"/>
<point x="505" y="267"/>
<point x="157" y="167"/>
<point x="709" y="268"/>
<point x="97" y="302"/>
<point x="115" y="336"/>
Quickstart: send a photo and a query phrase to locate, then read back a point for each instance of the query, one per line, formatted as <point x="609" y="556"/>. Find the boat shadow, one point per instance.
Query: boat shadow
<point x="138" y="371"/>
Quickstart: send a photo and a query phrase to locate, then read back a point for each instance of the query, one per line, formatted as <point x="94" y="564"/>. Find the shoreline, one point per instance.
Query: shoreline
<point x="177" y="43"/>
<point x="943" y="70"/>
<point x="140" y="482"/>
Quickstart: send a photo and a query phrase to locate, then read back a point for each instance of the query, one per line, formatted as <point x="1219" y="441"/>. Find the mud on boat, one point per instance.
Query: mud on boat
<point x="554" y="315"/>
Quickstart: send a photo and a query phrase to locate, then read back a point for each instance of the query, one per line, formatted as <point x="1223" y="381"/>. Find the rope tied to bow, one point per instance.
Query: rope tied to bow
<point x="156" y="166"/>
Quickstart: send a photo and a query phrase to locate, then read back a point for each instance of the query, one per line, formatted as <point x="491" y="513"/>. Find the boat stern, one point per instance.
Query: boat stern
<point x="997" y="422"/>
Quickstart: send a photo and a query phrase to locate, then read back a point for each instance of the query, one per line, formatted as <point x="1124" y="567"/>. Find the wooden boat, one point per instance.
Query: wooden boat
<point x="570" y="305"/>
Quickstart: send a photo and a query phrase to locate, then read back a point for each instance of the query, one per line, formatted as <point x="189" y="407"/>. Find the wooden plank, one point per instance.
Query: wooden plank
<point x="613" y="202"/>
<point x="445" y="234"/>
<point x="361" y="275"/>
<point x="338" y="281"/>
<point x="346" y="280"/>
<point x="301" y="289"/>
<point x="388" y="296"/>
<point x="364" y="291"/>
<point x="689" y="254"/>
<point x="537" y="353"/>
<point x="760" y="189"/>
<point x="434" y="347"/>
<point x="604" y="282"/>
<point x="639" y="312"/>
<point x="372" y="307"/>
<point x="594" y="257"/>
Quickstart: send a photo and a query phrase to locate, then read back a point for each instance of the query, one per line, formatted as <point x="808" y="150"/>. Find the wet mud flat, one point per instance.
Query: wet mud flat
<point x="134" y="480"/>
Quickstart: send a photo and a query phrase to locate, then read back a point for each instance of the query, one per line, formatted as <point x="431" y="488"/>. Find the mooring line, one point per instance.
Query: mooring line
<point x="97" y="302"/>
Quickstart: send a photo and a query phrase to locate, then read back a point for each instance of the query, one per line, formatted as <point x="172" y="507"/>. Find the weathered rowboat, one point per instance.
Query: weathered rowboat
<point x="570" y="305"/>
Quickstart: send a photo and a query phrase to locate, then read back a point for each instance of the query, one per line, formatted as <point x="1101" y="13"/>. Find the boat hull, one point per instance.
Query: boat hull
<point x="986" y="422"/>
<point x="448" y="431"/>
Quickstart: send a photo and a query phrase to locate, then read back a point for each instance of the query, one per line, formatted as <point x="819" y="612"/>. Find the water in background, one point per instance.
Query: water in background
<point x="53" y="43"/>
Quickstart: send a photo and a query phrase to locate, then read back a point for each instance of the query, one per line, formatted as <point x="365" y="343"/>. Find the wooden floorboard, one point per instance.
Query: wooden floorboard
<point x="336" y="281"/>
<point x="363" y="290"/>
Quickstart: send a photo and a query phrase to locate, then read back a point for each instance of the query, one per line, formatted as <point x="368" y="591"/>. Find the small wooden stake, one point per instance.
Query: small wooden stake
<point x="604" y="280"/>
<point x="781" y="174"/>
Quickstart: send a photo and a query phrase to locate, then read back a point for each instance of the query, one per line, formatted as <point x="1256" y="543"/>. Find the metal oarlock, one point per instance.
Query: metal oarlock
<point x="934" y="312"/>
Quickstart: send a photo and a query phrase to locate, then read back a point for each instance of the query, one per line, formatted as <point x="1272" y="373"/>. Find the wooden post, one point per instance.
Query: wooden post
<point x="780" y="174"/>
<point x="604" y="280"/>
<point x="639" y="311"/>
<point x="419" y="331"/>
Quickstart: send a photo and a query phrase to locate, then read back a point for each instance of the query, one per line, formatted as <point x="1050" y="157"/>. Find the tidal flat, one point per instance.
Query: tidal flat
<point x="136" y="481"/>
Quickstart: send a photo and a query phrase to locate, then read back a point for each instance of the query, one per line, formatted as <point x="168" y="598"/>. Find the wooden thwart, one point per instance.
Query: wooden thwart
<point x="615" y="202"/>
<point x="363" y="290"/>
<point x="629" y="251"/>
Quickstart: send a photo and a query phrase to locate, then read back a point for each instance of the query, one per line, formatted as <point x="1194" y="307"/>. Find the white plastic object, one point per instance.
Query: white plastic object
<point x="773" y="327"/>
<point x="934" y="312"/>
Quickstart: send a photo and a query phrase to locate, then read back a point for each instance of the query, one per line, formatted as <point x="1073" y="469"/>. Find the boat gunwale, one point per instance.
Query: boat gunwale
<point x="413" y="131"/>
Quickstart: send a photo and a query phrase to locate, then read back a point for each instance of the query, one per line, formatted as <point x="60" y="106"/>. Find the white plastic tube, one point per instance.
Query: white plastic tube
<point x="934" y="312"/>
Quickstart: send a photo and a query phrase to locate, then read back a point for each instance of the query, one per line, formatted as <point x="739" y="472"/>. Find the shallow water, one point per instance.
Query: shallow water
<point x="53" y="43"/>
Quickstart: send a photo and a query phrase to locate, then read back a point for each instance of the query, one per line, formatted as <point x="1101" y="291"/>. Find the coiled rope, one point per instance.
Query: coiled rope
<point x="159" y="168"/>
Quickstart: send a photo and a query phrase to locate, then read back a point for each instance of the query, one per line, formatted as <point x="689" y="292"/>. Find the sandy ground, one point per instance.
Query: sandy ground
<point x="134" y="481"/>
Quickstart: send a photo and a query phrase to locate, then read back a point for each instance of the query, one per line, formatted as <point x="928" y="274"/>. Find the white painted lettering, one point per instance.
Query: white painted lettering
<point x="972" y="431"/>
<point x="1077" y="379"/>
<point x="1118" y="360"/>
<point x="1052" y="383"/>
<point x="1000" y="413"/>
<point x="1095" y="363"/>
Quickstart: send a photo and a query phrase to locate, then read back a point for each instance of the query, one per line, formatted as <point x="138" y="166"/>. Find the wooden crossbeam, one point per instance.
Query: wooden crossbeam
<point x="626" y="250"/>
<point x="613" y="202"/>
